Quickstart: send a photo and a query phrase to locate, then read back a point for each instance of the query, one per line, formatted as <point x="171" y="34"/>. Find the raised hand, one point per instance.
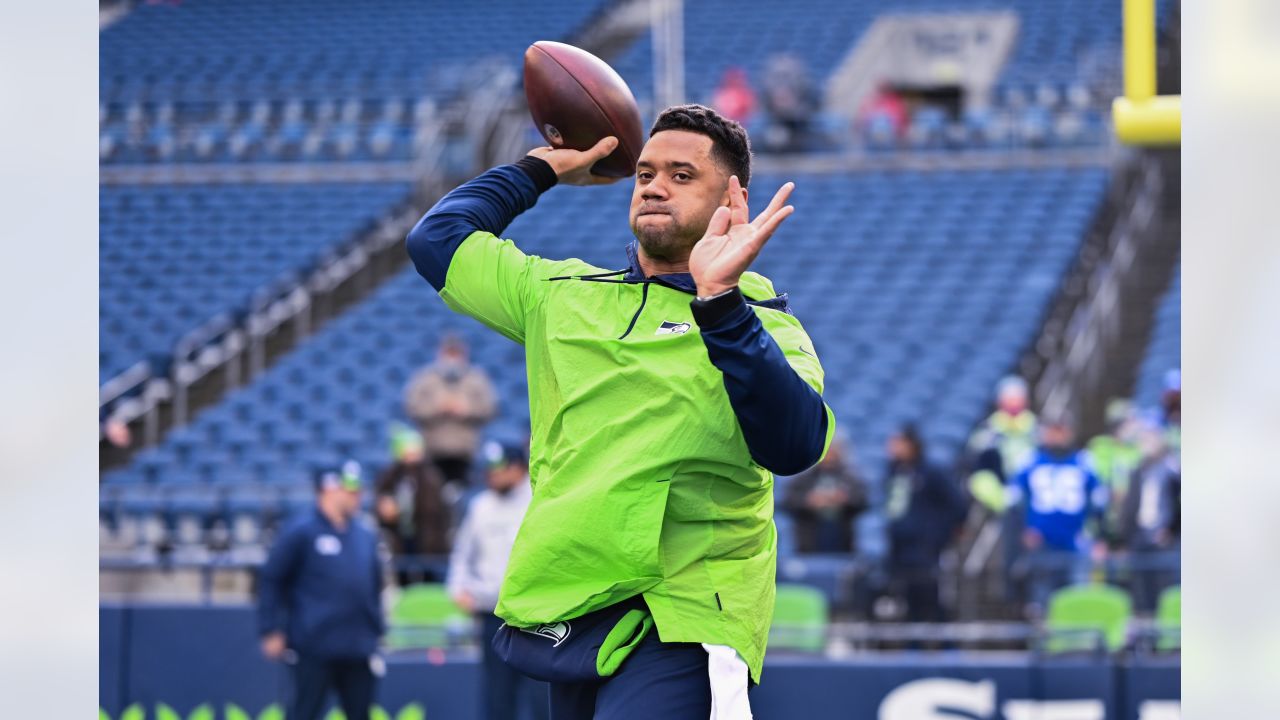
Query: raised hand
<point x="732" y="243"/>
<point x="573" y="167"/>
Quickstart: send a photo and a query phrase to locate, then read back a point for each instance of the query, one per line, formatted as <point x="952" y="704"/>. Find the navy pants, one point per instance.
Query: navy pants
<point x="504" y="690"/>
<point x="313" y="677"/>
<point x="659" y="680"/>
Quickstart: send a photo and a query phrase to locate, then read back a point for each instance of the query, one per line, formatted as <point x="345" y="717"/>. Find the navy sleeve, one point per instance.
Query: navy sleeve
<point x="490" y="202"/>
<point x="782" y="418"/>
<point x="273" y="581"/>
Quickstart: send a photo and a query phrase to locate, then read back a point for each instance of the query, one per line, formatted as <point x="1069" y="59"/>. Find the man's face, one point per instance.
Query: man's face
<point x="1056" y="436"/>
<point x="452" y="354"/>
<point x="1012" y="401"/>
<point x="504" y="477"/>
<point x="678" y="188"/>
<point x="899" y="449"/>
<point x="412" y="454"/>
<point x="350" y="502"/>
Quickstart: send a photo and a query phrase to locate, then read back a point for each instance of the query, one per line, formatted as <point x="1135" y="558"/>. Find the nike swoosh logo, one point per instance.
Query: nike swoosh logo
<point x="806" y="352"/>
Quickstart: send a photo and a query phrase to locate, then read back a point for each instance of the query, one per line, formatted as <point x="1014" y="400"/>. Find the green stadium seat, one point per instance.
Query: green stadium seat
<point x="1080" y="608"/>
<point x="425" y="617"/>
<point x="799" y="619"/>
<point x="1169" y="620"/>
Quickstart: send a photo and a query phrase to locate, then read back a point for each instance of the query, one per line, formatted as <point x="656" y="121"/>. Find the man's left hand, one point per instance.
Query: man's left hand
<point x="731" y="242"/>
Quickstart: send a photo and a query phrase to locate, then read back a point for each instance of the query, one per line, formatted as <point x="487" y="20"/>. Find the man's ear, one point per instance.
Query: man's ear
<point x="724" y="197"/>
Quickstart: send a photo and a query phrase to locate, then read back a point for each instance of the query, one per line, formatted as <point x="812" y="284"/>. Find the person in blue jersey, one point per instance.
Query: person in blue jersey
<point x="1060" y="496"/>
<point x="319" y="601"/>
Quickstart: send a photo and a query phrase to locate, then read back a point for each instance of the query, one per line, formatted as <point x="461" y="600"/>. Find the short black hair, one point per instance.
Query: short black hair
<point x="910" y="434"/>
<point x="730" y="145"/>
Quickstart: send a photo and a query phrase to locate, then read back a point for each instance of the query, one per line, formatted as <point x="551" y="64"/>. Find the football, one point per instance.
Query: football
<point x="576" y="99"/>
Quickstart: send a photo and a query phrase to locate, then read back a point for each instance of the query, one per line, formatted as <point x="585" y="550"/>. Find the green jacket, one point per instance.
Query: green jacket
<point x="642" y="481"/>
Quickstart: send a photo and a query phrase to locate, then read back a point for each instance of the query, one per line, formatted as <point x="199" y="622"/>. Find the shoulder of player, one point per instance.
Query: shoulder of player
<point x="569" y="267"/>
<point x="756" y="287"/>
<point x="299" y="527"/>
<point x="759" y="291"/>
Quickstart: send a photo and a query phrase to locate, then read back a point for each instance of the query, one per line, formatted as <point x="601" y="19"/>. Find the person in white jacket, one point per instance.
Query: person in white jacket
<point x="476" y="566"/>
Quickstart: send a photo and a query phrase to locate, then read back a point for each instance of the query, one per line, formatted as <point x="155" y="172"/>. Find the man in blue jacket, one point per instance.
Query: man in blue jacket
<point x="1060" y="495"/>
<point x="319" y="606"/>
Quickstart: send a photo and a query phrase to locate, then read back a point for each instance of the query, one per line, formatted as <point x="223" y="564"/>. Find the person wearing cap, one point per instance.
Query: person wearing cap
<point x="411" y="509"/>
<point x="476" y="567"/>
<point x="1060" y="495"/>
<point x="1003" y="445"/>
<point x="319" y="601"/>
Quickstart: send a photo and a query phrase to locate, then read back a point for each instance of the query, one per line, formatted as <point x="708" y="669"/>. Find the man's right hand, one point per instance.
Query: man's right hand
<point x="573" y="167"/>
<point x="273" y="645"/>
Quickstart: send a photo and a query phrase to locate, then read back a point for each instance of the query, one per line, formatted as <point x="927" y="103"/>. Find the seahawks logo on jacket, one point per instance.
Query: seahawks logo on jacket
<point x="673" y="328"/>
<point x="558" y="631"/>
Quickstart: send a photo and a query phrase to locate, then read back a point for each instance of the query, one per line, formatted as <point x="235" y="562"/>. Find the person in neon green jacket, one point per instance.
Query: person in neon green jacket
<point x="663" y="397"/>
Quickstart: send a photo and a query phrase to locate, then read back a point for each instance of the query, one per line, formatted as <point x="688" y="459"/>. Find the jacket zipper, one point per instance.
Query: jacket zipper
<point x="644" y="297"/>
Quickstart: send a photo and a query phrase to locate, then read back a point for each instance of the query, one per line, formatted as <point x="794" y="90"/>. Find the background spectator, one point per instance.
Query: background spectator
<point x="1115" y="456"/>
<point x="790" y="101"/>
<point x="1151" y="519"/>
<point x="1003" y="445"/>
<point x="824" y="500"/>
<point x="476" y="568"/>
<point x="734" y="98"/>
<point x="451" y="400"/>
<point x="887" y="106"/>
<point x="1061" y="494"/>
<point x="923" y="508"/>
<point x="319" y="605"/>
<point x="412" y="509"/>
<point x="116" y="444"/>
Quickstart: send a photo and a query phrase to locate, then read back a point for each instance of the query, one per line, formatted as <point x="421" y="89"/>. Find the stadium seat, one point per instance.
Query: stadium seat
<point x="799" y="619"/>
<point x="424" y="616"/>
<point x="175" y="257"/>
<point x="1169" y="619"/>
<point x="1081" y="614"/>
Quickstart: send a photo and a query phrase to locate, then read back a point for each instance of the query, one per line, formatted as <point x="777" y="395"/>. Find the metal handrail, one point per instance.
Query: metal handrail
<point x="122" y="384"/>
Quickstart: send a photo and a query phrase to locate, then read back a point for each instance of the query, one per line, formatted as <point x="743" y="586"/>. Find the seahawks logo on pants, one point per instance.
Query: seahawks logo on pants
<point x="558" y="631"/>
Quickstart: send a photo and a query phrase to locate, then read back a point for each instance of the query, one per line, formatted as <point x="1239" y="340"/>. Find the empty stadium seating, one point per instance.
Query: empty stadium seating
<point x="919" y="289"/>
<point x="299" y="80"/>
<point x="1164" y="351"/>
<point x="202" y="50"/>
<point x="174" y="257"/>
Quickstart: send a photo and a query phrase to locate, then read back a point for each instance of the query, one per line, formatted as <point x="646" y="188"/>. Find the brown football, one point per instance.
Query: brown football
<point x="576" y="100"/>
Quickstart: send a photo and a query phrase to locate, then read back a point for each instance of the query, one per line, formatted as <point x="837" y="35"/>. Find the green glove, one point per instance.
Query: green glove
<point x="987" y="489"/>
<point x="622" y="639"/>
